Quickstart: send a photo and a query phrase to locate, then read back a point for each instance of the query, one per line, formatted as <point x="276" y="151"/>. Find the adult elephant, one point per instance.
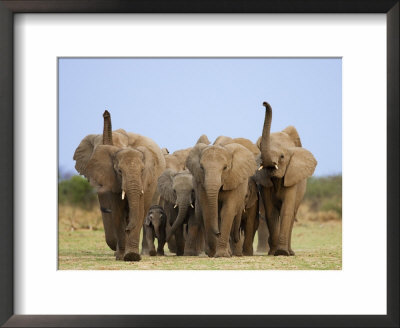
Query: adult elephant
<point x="250" y="216"/>
<point x="177" y="162"/>
<point x="176" y="189"/>
<point x="282" y="177"/>
<point x="220" y="181"/>
<point x="125" y="166"/>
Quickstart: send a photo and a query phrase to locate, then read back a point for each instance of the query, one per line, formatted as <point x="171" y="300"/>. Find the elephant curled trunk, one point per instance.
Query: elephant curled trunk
<point x="265" y="146"/>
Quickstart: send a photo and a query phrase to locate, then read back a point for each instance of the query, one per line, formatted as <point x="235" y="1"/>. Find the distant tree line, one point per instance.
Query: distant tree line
<point x="76" y="191"/>
<point x="325" y="193"/>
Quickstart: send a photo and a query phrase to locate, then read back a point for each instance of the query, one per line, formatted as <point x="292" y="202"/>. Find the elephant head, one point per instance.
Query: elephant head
<point x="218" y="168"/>
<point x="127" y="171"/>
<point x="177" y="188"/>
<point x="282" y="154"/>
<point x="156" y="218"/>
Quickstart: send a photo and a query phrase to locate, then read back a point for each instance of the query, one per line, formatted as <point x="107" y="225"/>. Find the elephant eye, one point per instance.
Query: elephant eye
<point x="225" y="167"/>
<point x="201" y="166"/>
<point x="282" y="156"/>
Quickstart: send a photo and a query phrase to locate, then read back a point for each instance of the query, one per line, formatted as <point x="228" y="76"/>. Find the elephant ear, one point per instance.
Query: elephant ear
<point x="301" y="166"/>
<point x="84" y="152"/>
<point x="203" y="139"/>
<point x="293" y="134"/>
<point x="261" y="177"/>
<point x="243" y="166"/>
<point x="149" y="163"/>
<point x="193" y="162"/>
<point x="147" y="221"/>
<point x="164" y="186"/>
<point x="100" y="168"/>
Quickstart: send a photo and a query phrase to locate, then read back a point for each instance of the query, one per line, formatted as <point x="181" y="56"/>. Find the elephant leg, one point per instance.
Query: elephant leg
<point x="160" y="247"/>
<point x="148" y="201"/>
<point x="146" y="246"/>
<point x="250" y="230"/>
<point x="291" y="252"/>
<point x="191" y="237"/>
<point x="180" y="241"/>
<point x="228" y="213"/>
<point x="236" y="247"/>
<point x="172" y="244"/>
<point x="106" y="201"/>
<point x="263" y="233"/>
<point x="272" y="218"/>
<point x="120" y="225"/>
<point x="287" y="218"/>
<point x="148" y="233"/>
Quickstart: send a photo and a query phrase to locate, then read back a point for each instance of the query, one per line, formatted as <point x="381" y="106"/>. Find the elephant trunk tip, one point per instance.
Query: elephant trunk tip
<point x="106" y="113"/>
<point x="267" y="105"/>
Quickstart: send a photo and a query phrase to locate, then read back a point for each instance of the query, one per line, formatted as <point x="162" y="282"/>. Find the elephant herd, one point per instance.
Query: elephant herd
<point x="207" y="198"/>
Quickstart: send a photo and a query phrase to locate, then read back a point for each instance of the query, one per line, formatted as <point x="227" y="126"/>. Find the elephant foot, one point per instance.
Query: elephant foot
<point x="291" y="252"/>
<point x="131" y="256"/>
<point x="248" y="252"/>
<point x="145" y="251"/>
<point x="262" y="249"/>
<point x="119" y="255"/>
<point x="152" y="253"/>
<point x="222" y="253"/>
<point x="160" y="252"/>
<point x="281" y="251"/>
<point x="272" y="251"/>
<point x="190" y="252"/>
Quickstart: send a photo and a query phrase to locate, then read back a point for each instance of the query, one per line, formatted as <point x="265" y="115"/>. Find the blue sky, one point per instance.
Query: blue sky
<point x="175" y="100"/>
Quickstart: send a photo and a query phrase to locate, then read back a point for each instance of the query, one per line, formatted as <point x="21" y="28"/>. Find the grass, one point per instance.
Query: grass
<point x="317" y="246"/>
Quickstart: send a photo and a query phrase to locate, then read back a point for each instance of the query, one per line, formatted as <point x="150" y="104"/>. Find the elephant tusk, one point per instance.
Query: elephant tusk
<point x="276" y="166"/>
<point x="123" y="194"/>
<point x="191" y="205"/>
<point x="244" y="210"/>
<point x="176" y="205"/>
<point x="142" y="192"/>
<point x="260" y="168"/>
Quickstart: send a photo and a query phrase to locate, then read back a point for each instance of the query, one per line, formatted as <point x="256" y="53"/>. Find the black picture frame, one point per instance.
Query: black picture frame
<point x="7" y="10"/>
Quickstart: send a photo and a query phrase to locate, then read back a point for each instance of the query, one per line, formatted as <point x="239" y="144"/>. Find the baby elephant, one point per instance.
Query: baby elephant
<point x="154" y="226"/>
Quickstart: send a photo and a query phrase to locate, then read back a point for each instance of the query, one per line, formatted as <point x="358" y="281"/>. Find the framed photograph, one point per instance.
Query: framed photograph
<point x="185" y="75"/>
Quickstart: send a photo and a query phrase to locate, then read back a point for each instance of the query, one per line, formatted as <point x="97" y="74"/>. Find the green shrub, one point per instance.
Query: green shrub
<point x="76" y="191"/>
<point x="325" y="194"/>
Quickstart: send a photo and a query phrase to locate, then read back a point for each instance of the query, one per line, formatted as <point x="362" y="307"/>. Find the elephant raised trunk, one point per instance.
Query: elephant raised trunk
<point x="265" y="145"/>
<point x="107" y="133"/>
